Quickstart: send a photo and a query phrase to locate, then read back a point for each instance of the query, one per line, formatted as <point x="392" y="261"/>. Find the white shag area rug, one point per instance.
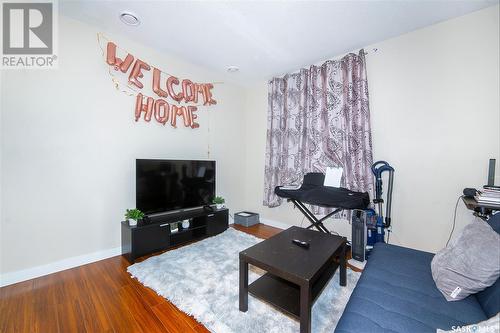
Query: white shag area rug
<point x="202" y="279"/>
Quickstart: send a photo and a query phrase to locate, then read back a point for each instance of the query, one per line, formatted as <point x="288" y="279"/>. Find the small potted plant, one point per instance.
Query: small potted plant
<point x="219" y="202"/>
<point x="133" y="215"/>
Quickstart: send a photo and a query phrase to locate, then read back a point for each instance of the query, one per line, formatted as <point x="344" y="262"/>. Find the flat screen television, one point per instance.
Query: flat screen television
<point x="167" y="185"/>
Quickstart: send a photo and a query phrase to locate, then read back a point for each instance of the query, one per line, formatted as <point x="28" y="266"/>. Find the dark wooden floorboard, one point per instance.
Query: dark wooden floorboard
<point x="98" y="297"/>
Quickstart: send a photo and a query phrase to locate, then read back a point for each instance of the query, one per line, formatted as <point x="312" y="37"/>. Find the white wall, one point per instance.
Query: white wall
<point x="435" y="117"/>
<point x="69" y="143"/>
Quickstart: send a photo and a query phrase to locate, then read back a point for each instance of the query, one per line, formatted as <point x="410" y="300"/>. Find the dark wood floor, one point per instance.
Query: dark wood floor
<point x="98" y="297"/>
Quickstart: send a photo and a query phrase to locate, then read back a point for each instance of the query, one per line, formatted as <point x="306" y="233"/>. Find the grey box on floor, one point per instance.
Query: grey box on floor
<point x="246" y="219"/>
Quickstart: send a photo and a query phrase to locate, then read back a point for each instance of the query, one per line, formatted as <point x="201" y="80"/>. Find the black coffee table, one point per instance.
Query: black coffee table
<point x="295" y="276"/>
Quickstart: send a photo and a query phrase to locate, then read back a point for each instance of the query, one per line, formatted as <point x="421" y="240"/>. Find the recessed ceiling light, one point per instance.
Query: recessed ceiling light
<point x="129" y="18"/>
<point x="232" y="69"/>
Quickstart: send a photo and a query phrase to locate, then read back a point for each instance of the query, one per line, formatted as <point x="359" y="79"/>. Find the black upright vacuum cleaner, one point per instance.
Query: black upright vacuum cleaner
<point x="368" y="225"/>
<point x="378" y="168"/>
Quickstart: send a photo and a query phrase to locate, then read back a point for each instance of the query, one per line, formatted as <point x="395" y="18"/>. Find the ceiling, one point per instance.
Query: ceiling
<point x="264" y="38"/>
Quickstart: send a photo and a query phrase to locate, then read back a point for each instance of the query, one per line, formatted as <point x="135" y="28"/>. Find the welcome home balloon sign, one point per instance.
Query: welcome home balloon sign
<point x="171" y="91"/>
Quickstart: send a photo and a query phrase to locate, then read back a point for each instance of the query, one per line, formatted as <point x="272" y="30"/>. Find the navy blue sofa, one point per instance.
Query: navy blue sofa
<point x="396" y="293"/>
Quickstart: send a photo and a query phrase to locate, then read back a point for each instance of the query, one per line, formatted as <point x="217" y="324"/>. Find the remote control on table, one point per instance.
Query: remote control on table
<point x="300" y="243"/>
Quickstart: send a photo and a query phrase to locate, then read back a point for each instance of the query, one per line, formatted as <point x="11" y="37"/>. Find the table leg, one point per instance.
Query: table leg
<point x="343" y="266"/>
<point x="305" y="309"/>
<point x="243" y="285"/>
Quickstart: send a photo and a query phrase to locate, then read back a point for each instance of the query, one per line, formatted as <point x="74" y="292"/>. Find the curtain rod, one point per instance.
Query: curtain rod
<point x="374" y="50"/>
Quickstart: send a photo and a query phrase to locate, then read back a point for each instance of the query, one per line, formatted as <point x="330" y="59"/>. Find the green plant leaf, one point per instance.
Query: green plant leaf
<point x="134" y="214"/>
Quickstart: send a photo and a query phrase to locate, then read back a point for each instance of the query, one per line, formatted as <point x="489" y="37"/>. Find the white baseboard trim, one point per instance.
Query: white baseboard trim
<point x="276" y="224"/>
<point x="61" y="265"/>
<point x="57" y="266"/>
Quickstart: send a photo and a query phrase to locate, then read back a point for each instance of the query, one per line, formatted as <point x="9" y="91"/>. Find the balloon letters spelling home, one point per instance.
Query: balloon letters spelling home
<point x="185" y="91"/>
<point x="163" y="111"/>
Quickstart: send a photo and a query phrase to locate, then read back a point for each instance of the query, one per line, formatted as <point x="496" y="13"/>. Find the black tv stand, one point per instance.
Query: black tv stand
<point x="158" y="235"/>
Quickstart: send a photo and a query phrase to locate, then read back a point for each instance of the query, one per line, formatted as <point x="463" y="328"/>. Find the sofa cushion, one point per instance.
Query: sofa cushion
<point x="490" y="299"/>
<point x="396" y="293"/>
<point x="490" y="325"/>
<point x="470" y="263"/>
<point x="494" y="222"/>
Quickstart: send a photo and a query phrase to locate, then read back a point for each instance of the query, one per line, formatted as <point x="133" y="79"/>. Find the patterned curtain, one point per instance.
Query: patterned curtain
<point x="318" y="118"/>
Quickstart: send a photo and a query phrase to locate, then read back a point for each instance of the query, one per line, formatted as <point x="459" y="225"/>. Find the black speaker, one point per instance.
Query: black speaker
<point x="358" y="223"/>
<point x="491" y="172"/>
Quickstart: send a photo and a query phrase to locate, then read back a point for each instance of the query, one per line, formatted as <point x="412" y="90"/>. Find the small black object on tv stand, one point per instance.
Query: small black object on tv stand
<point x="156" y="235"/>
<point x="209" y="208"/>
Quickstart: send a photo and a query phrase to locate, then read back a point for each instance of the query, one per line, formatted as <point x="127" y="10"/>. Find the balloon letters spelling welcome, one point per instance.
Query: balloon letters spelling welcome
<point x="184" y="91"/>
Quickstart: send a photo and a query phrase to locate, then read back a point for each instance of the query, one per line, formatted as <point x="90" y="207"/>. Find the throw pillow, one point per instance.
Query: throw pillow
<point x="469" y="264"/>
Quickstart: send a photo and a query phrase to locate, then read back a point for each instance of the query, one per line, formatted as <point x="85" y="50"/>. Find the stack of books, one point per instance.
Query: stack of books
<point x="489" y="195"/>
